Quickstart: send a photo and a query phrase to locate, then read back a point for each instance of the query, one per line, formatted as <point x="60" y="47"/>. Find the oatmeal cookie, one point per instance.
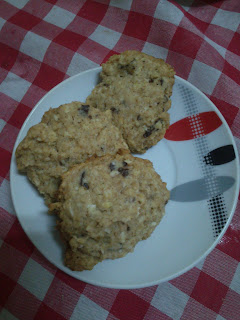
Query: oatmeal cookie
<point x="136" y="87"/>
<point x="106" y="206"/>
<point x="66" y="136"/>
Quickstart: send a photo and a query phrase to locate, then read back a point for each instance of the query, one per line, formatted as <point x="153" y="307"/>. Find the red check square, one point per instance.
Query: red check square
<point x="47" y="313"/>
<point x="5" y="157"/>
<point x="187" y="281"/>
<point x="127" y="303"/>
<point x="19" y="115"/>
<point x="209" y="292"/>
<point x="93" y="11"/>
<point x="48" y="77"/>
<point x="70" y="39"/>
<point x="24" y="20"/>
<point x="227" y="110"/>
<point x="138" y="25"/>
<point x="235" y="44"/>
<point x="186" y="43"/>
<point x="8" y="285"/>
<point x="18" y="239"/>
<point x="8" y="56"/>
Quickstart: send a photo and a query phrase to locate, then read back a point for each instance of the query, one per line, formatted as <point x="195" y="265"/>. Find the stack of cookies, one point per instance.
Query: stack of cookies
<point x="79" y="159"/>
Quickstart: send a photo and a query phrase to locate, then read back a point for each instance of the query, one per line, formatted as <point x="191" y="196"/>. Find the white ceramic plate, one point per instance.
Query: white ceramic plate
<point x="198" y="160"/>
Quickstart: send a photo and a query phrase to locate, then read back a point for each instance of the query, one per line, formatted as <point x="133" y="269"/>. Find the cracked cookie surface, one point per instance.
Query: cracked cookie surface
<point x="67" y="135"/>
<point x="136" y="87"/>
<point x="106" y="205"/>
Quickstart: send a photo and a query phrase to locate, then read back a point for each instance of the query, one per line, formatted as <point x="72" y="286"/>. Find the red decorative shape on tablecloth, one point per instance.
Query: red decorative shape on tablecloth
<point x="209" y="292"/>
<point x="193" y="127"/>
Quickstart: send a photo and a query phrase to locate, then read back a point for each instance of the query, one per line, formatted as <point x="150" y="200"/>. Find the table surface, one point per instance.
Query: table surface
<point x="44" y="42"/>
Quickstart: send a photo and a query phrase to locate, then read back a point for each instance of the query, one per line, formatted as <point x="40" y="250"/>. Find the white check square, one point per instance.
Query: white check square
<point x="170" y="300"/>
<point x="122" y="4"/>
<point x="87" y="309"/>
<point x="156" y="51"/>
<point x="34" y="45"/>
<point x="36" y="279"/>
<point x="14" y="86"/>
<point x="5" y="196"/>
<point x="19" y="3"/>
<point x="204" y="77"/>
<point x="167" y="11"/>
<point x="2" y="21"/>
<point x="79" y="63"/>
<point x="105" y="36"/>
<point x="227" y="19"/>
<point x="59" y="17"/>
<point x="235" y="284"/>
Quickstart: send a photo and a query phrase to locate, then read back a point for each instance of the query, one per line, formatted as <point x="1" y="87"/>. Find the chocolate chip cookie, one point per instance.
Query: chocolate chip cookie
<point x="136" y="87"/>
<point x="106" y="206"/>
<point x="66" y="136"/>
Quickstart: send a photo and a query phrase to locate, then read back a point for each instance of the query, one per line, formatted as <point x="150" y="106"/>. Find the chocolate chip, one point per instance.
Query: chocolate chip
<point x="82" y="177"/>
<point x="148" y="132"/>
<point x="125" y="163"/>
<point x="128" y="228"/>
<point x="90" y="117"/>
<point x="84" y="109"/>
<point x="111" y="166"/>
<point x="150" y="80"/>
<point x="114" y="110"/>
<point x="86" y="186"/>
<point x="161" y="82"/>
<point x="139" y="117"/>
<point x="124" y="172"/>
<point x="166" y="202"/>
<point x="82" y="183"/>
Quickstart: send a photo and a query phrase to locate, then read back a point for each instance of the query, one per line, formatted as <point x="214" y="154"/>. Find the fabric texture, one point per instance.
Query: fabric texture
<point x="44" y="42"/>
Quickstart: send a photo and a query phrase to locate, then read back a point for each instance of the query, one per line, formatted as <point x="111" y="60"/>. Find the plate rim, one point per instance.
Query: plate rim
<point x="154" y="282"/>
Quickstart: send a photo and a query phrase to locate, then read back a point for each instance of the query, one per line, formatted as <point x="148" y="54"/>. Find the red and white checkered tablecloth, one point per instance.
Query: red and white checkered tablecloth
<point x="44" y="42"/>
